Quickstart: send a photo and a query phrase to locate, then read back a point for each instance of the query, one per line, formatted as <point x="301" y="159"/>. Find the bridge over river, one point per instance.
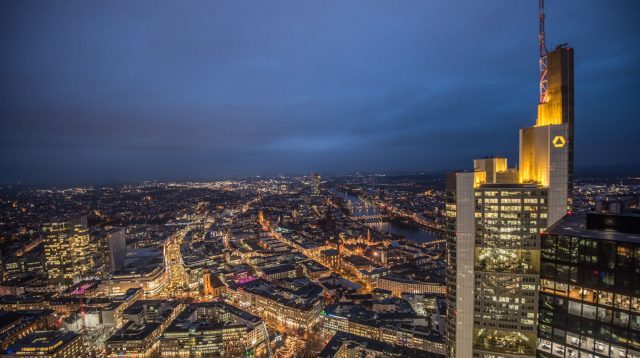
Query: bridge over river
<point x="375" y="218"/>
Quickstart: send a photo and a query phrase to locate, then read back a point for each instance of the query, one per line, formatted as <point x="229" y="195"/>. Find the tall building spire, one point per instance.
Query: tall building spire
<point x="543" y="54"/>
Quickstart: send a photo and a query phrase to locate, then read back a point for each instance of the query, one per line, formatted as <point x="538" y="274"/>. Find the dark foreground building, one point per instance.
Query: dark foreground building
<point x="590" y="287"/>
<point x="345" y="345"/>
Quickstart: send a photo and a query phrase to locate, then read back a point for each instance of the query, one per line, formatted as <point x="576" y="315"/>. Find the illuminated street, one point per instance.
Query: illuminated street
<point x="173" y="261"/>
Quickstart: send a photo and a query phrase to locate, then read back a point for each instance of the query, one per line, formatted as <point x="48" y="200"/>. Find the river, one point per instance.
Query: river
<point x="410" y="232"/>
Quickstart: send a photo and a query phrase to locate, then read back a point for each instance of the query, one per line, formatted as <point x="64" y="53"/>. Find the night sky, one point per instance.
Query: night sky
<point x="100" y="91"/>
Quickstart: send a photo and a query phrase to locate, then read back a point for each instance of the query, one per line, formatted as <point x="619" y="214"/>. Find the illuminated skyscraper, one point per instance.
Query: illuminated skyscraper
<point x="494" y="264"/>
<point x="546" y="149"/>
<point x="495" y="218"/>
<point x="315" y="184"/>
<point x="66" y="249"/>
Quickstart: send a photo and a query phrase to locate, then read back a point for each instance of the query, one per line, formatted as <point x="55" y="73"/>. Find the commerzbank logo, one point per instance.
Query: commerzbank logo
<point x="559" y="141"/>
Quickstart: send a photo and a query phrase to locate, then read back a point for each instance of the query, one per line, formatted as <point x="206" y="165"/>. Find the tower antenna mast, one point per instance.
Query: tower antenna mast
<point x="543" y="54"/>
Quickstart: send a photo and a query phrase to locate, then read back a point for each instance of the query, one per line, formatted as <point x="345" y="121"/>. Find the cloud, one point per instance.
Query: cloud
<point x="92" y="91"/>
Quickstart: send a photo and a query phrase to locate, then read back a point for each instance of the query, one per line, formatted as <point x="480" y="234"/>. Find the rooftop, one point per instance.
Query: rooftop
<point x="132" y="331"/>
<point x="361" y="343"/>
<point x="49" y="341"/>
<point x="576" y="225"/>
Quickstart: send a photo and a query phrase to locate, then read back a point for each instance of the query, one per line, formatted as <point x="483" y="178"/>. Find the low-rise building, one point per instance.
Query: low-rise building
<point x="15" y="325"/>
<point x="399" y="285"/>
<point x="398" y="326"/>
<point x="48" y="344"/>
<point x="146" y="321"/>
<point x="296" y="308"/>
<point x="205" y="329"/>
<point x="345" y="345"/>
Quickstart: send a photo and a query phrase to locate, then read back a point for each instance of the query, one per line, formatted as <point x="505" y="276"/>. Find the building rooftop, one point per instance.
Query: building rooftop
<point x="41" y="342"/>
<point x="363" y="345"/>
<point x="576" y="225"/>
<point x="12" y="321"/>
<point x="278" y="269"/>
<point x="330" y="252"/>
<point x="510" y="186"/>
<point x="132" y="331"/>
<point x="303" y="298"/>
<point x="205" y="316"/>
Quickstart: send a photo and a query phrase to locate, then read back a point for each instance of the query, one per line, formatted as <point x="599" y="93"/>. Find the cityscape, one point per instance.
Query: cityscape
<point x="522" y="254"/>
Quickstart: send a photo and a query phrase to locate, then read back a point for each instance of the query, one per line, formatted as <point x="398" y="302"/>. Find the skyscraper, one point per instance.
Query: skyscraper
<point x="495" y="216"/>
<point x="66" y="249"/>
<point x="546" y="149"/>
<point x="315" y="184"/>
<point x="117" y="239"/>
<point x="589" y="287"/>
<point x="494" y="263"/>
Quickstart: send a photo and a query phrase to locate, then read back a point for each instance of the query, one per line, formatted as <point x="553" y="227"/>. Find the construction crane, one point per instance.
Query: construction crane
<point x="543" y="54"/>
<point x="80" y="292"/>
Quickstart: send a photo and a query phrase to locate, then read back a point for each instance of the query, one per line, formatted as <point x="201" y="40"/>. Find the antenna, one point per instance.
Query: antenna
<point x="543" y="54"/>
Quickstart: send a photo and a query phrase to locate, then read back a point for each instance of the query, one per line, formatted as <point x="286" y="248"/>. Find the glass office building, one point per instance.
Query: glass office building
<point x="590" y="287"/>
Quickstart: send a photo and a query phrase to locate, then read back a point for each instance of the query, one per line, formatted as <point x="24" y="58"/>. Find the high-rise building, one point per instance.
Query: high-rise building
<point x="117" y="239"/>
<point x="494" y="261"/>
<point x="66" y="249"/>
<point x="315" y="184"/>
<point x="495" y="216"/>
<point x="546" y="149"/>
<point x="589" y="287"/>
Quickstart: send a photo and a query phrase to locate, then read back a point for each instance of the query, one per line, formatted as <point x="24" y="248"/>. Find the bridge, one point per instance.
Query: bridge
<point x="371" y="218"/>
<point x="409" y="219"/>
<point x="388" y="213"/>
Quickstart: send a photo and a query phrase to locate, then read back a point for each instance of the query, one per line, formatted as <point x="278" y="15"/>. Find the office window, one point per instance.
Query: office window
<point x="575" y="308"/>
<point x="621" y="319"/>
<point x="635" y="322"/>
<point x="604" y="315"/>
<point x="622" y="301"/>
<point x="589" y="311"/>
<point x="635" y="303"/>
<point x="605" y="298"/>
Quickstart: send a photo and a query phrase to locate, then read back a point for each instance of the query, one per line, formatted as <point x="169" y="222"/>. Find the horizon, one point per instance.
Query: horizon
<point x="581" y="172"/>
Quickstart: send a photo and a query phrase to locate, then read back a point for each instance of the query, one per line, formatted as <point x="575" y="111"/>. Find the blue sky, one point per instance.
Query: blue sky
<point x="131" y="90"/>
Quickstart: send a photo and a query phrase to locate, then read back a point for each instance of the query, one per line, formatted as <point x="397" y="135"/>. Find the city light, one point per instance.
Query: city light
<point x="294" y="179"/>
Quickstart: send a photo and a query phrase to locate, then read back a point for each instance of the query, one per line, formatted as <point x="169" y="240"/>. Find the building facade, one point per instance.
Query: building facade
<point x="117" y="239"/>
<point x="398" y="286"/>
<point x="66" y="249"/>
<point x="315" y="184"/>
<point x="214" y="329"/>
<point x="590" y="292"/>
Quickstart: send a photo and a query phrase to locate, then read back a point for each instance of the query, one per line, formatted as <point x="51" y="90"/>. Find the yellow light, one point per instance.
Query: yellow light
<point x="479" y="177"/>
<point x="559" y="141"/>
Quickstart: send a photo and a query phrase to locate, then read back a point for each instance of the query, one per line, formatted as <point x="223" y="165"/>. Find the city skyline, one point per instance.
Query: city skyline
<point x="178" y="93"/>
<point x="285" y="179"/>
